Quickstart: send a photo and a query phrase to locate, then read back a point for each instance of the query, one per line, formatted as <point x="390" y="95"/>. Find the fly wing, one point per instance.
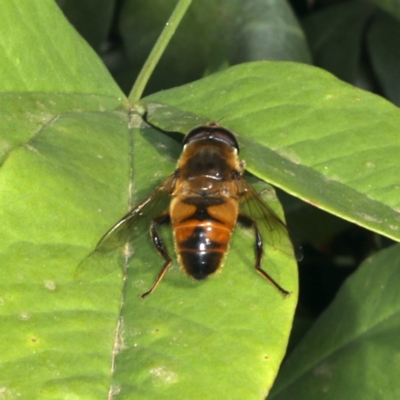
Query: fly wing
<point x="272" y="228"/>
<point x="102" y="260"/>
<point x="138" y="219"/>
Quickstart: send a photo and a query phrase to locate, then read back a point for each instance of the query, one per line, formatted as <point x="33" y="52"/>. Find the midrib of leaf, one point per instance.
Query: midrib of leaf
<point x="132" y="122"/>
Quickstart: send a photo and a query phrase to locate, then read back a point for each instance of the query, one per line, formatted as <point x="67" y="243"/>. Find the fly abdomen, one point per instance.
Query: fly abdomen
<point x="201" y="246"/>
<point x="201" y="264"/>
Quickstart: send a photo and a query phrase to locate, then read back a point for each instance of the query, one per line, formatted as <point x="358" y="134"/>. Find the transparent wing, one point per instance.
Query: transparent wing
<point x="273" y="230"/>
<point x="138" y="219"/>
<point x="127" y="230"/>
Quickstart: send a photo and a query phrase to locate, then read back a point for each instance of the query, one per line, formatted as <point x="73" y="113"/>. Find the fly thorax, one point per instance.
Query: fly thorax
<point x="209" y="161"/>
<point x="203" y="185"/>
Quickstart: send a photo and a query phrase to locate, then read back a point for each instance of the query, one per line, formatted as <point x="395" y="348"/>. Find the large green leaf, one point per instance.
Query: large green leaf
<point x="306" y="132"/>
<point x="69" y="161"/>
<point x="41" y="52"/>
<point x="57" y="334"/>
<point x="186" y="334"/>
<point x="352" y="348"/>
<point x="59" y="149"/>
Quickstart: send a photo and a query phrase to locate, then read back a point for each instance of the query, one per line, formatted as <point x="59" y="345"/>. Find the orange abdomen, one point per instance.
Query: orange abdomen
<point x="202" y="234"/>
<point x="201" y="246"/>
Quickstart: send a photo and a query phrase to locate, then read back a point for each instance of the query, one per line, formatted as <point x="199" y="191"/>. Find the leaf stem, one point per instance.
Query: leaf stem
<point x="158" y="50"/>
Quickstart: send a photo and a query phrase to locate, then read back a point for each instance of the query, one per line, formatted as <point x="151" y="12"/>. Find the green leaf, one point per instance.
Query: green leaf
<point x="350" y="349"/>
<point x="186" y="333"/>
<point x="308" y="133"/>
<point x="267" y="30"/>
<point x="383" y="46"/>
<point x="57" y="146"/>
<point x="41" y="52"/>
<point x="70" y="154"/>
<point x="59" y="333"/>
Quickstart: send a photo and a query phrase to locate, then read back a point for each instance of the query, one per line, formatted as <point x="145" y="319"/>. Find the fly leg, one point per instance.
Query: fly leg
<point x="247" y="222"/>
<point x="163" y="219"/>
